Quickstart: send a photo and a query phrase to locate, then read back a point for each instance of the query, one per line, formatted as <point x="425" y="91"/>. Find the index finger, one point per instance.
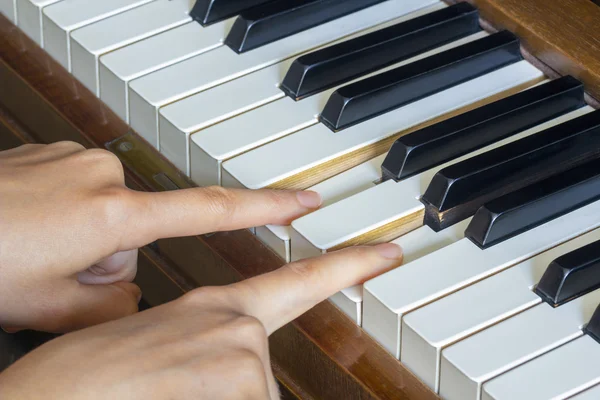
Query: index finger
<point x="281" y="296"/>
<point x="202" y="210"/>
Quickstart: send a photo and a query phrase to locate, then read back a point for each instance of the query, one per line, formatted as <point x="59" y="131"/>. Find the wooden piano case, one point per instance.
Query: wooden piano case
<point x="322" y="354"/>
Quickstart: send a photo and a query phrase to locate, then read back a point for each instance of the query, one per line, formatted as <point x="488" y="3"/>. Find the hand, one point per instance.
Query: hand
<point x="209" y="344"/>
<point x="70" y="230"/>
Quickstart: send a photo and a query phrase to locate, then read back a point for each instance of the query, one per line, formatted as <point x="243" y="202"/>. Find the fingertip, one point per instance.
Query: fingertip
<point x="131" y="289"/>
<point x="309" y="199"/>
<point x="389" y="251"/>
<point x="10" y="330"/>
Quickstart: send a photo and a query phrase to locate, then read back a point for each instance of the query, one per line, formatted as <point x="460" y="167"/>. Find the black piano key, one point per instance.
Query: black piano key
<point x="381" y="93"/>
<point x="571" y="275"/>
<point x="457" y="136"/>
<point x="281" y="18"/>
<point x="210" y="11"/>
<point x="534" y="205"/>
<point x="457" y="191"/>
<point x="334" y="65"/>
<point x="592" y="329"/>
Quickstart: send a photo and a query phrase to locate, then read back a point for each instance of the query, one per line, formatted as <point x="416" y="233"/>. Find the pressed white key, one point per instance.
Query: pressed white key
<point x="388" y="202"/>
<point x="556" y="375"/>
<point x="390" y="296"/>
<point x="430" y="329"/>
<point x="311" y="147"/>
<point x="332" y="190"/>
<point x="121" y="66"/>
<point x="9" y="9"/>
<point x="92" y="41"/>
<point x="415" y="245"/>
<point x="179" y="120"/>
<point x="63" y="17"/>
<point x="149" y="93"/>
<point x="29" y="18"/>
<point x="589" y="394"/>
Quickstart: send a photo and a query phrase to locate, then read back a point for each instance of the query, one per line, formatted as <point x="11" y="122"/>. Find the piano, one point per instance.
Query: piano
<point x="465" y="131"/>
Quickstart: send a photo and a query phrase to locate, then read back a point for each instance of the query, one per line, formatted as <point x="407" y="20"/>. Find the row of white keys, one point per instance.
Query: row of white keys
<point x="415" y="244"/>
<point x="188" y="116"/>
<point x="390" y="296"/>
<point x="332" y="190"/>
<point x="8" y="8"/>
<point x="428" y="330"/>
<point x="557" y="375"/>
<point x="121" y="66"/>
<point x="224" y="141"/>
<point x="432" y="328"/>
<point x="29" y="17"/>
<point x="316" y="145"/>
<point x="151" y="92"/>
<point x="466" y="365"/>
<point x="381" y="205"/>
<point x="92" y="41"/>
<point x="61" y="18"/>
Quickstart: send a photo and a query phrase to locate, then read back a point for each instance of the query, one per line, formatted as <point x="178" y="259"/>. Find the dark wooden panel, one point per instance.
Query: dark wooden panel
<point x="561" y="33"/>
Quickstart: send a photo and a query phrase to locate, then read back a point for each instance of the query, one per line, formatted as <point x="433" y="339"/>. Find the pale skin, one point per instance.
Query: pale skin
<point x="69" y="234"/>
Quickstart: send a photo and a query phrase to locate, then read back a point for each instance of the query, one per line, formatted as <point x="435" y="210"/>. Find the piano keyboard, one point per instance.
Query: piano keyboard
<point x="415" y="126"/>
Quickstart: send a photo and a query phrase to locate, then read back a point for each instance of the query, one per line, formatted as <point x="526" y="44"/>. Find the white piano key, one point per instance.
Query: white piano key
<point x="311" y="147"/>
<point x="151" y="92"/>
<point x="121" y="66"/>
<point x="92" y="41"/>
<point x="179" y="120"/>
<point x="556" y="375"/>
<point x="589" y="394"/>
<point x="9" y="9"/>
<point x="61" y="18"/>
<point x="332" y="190"/>
<point x="430" y="329"/>
<point x="468" y="364"/>
<point x="390" y="296"/>
<point x="415" y="244"/>
<point x="383" y="204"/>
<point x="265" y="124"/>
<point x="30" y="21"/>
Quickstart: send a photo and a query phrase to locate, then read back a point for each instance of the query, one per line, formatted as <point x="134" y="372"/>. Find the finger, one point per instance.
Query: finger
<point x="81" y="306"/>
<point x="202" y="210"/>
<point x="39" y="153"/>
<point x="120" y="267"/>
<point x="280" y="296"/>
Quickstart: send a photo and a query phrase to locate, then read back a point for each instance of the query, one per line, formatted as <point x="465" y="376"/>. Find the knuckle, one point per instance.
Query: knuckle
<point x="66" y="145"/>
<point x="113" y="205"/>
<point x="220" y="201"/>
<point x="250" y="328"/>
<point x="104" y="160"/>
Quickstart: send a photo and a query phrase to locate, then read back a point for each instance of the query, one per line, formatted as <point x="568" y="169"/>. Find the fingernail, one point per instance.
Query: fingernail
<point x="139" y="297"/>
<point x="9" y="330"/>
<point x="309" y="199"/>
<point x="390" y="251"/>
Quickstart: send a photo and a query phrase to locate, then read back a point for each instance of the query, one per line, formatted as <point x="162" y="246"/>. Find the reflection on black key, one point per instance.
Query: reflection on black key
<point x="571" y="275"/>
<point x="592" y="329"/>
<point x="457" y="136"/>
<point x="281" y="18"/>
<point x="334" y="65"/>
<point x="210" y="11"/>
<point x="457" y="191"/>
<point x="381" y="93"/>
<point x="534" y="205"/>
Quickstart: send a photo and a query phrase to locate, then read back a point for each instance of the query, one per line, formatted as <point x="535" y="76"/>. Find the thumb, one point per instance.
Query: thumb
<point x="78" y="306"/>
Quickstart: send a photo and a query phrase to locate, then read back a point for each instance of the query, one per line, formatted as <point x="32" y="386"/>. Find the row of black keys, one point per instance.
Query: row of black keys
<point x="510" y="189"/>
<point x="365" y="99"/>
